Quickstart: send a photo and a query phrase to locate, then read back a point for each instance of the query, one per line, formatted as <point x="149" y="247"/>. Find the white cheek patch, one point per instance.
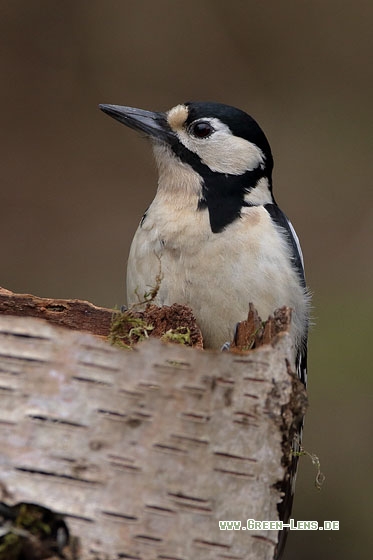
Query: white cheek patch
<point x="223" y="152"/>
<point x="260" y="195"/>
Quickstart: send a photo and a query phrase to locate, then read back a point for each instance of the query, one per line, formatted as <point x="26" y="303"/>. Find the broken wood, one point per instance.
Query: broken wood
<point x="84" y="316"/>
<point x="116" y="325"/>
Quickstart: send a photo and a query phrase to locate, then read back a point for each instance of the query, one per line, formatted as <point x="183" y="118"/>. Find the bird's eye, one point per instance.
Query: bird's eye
<point x="201" y="129"/>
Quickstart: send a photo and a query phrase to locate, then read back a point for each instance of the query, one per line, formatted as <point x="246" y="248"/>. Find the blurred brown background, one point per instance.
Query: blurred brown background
<point x="75" y="183"/>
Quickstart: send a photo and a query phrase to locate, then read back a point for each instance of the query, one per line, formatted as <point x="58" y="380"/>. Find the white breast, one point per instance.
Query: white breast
<point x="216" y="274"/>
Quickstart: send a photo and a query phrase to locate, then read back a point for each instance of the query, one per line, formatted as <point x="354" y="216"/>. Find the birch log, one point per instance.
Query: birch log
<point x="144" y="451"/>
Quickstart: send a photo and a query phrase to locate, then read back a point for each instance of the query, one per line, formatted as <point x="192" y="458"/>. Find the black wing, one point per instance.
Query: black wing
<point x="288" y="484"/>
<point x="281" y="220"/>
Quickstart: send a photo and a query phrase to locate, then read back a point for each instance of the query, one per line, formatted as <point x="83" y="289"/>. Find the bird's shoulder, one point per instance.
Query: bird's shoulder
<point x="280" y="219"/>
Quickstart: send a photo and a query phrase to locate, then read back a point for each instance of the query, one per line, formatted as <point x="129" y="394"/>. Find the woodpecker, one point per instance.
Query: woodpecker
<point x="214" y="238"/>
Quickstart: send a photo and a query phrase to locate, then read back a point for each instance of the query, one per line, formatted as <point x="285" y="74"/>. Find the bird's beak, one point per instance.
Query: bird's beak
<point x="154" y="124"/>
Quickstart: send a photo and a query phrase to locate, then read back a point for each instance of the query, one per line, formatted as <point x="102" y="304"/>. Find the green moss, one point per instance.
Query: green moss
<point x="181" y="335"/>
<point x="10" y="547"/>
<point x="149" y="296"/>
<point x="126" y="326"/>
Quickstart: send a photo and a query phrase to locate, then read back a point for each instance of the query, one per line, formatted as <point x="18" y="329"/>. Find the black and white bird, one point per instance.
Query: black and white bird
<point x="214" y="234"/>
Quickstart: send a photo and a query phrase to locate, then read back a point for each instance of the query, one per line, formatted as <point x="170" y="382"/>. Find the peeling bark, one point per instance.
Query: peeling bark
<point x="84" y="316"/>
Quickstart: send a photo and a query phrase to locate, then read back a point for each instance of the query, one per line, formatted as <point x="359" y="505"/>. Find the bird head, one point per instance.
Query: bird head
<point x="224" y="147"/>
